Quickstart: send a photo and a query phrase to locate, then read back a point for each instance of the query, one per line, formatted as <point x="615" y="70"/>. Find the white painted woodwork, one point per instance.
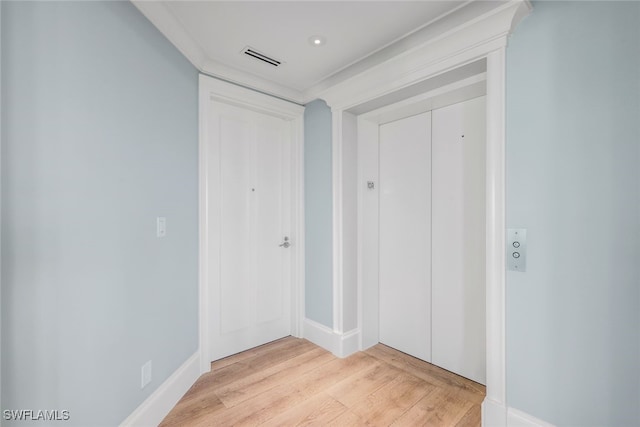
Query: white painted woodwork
<point x="155" y="408"/>
<point x="337" y="220"/>
<point x="432" y="237"/>
<point x="405" y="235"/>
<point x="496" y="401"/>
<point x="350" y="223"/>
<point x="458" y="239"/>
<point x="484" y="37"/>
<point x="422" y="34"/>
<point x="212" y="93"/>
<point x="251" y="300"/>
<point x="471" y="34"/>
<point x="368" y="239"/>
<point x="345" y="221"/>
<point x="368" y="199"/>
<point x="461" y="38"/>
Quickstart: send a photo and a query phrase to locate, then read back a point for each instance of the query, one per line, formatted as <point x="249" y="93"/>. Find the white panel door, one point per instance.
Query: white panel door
<point x="249" y="215"/>
<point x="405" y="235"/>
<point x="458" y="271"/>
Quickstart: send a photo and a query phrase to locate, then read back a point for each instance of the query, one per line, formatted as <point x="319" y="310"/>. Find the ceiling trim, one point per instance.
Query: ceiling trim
<point x="400" y="44"/>
<point x="242" y="78"/>
<point x="406" y="59"/>
<point x="452" y="45"/>
<point x="426" y="33"/>
<point x="247" y="98"/>
<point x="172" y="29"/>
<point x="162" y="18"/>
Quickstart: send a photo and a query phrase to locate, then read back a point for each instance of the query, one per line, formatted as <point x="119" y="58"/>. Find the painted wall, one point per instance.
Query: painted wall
<point x="99" y="137"/>
<point x="573" y="120"/>
<point x="318" y="213"/>
<point x="1" y="207"/>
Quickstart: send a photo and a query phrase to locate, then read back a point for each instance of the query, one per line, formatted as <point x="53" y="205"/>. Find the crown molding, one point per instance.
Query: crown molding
<point x="428" y="32"/>
<point x="463" y="41"/>
<point x="162" y="18"/>
<point x="406" y="60"/>
<point x="239" y="95"/>
<point x="251" y="81"/>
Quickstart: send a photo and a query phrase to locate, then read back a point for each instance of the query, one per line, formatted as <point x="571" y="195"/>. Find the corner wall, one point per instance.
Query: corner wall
<point x="318" y="214"/>
<point x="99" y="137"/>
<point x="573" y="123"/>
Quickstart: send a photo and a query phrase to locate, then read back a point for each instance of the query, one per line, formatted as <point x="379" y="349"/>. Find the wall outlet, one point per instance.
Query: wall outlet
<point x="145" y="374"/>
<point x="161" y="226"/>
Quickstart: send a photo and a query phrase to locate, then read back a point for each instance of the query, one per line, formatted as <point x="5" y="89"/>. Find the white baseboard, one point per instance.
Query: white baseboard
<point x="517" y="418"/>
<point x="319" y="335"/>
<point x="341" y="345"/>
<point x="495" y="414"/>
<point x="153" y="410"/>
<point x="350" y="343"/>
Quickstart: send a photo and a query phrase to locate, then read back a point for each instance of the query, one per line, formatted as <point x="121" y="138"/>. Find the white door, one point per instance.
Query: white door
<point x="248" y="197"/>
<point x="458" y="272"/>
<point x="432" y="237"/>
<point x="405" y="235"/>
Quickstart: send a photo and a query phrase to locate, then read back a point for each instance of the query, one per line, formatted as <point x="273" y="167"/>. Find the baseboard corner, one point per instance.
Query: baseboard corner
<point x="153" y="410"/>
<point x="494" y="413"/>
<point x="349" y="343"/>
<point x="341" y="345"/>
<point x="497" y="414"/>
<point x="319" y="334"/>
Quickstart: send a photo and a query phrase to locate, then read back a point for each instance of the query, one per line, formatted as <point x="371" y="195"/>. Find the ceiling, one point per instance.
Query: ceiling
<point x="212" y="34"/>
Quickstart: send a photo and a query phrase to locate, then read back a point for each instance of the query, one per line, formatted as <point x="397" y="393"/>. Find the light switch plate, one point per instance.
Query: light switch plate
<point x="517" y="249"/>
<point x="161" y="226"/>
<point x="145" y="374"/>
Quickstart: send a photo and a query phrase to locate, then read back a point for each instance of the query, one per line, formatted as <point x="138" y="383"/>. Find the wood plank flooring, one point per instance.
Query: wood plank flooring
<point x="293" y="382"/>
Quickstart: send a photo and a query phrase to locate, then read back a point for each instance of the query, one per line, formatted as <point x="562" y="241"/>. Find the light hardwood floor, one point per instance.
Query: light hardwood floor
<point x="294" y="382"/>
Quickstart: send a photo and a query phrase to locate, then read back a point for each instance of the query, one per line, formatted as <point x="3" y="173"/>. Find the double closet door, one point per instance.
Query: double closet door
<point x="432" y="237"/>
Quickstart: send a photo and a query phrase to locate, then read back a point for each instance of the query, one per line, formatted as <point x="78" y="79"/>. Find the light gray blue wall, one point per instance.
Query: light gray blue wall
<point x="318" y="213"/>
<point x="99" y="136"/>
<point x="1" y="207"/>
<point x="573" y="180"/>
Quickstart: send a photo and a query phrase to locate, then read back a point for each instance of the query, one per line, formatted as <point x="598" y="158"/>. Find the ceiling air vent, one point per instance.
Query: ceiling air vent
<point x="261" y="56"/>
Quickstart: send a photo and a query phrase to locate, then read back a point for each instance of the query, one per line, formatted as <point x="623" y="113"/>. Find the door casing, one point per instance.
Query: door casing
<point x="484" y="38"/>
<point x="218" y="90"/>
<point x="491" y="83"/>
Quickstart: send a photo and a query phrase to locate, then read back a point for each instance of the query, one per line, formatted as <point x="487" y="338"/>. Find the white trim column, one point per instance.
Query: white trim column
<point x="298" y="217"/>
<point x="494" y="406"/>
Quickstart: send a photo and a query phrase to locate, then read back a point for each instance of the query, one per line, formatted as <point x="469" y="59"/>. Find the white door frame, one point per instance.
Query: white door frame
<point x="480" y="37"/>
<point x="214" y="89"/>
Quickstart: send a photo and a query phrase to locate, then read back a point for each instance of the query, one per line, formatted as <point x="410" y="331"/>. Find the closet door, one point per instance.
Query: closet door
<point x="458" y="273"/>
<point x="405" y="235"/>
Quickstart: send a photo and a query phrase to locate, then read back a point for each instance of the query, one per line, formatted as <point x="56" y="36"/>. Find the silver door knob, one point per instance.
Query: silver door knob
<point x="286" y="243"/>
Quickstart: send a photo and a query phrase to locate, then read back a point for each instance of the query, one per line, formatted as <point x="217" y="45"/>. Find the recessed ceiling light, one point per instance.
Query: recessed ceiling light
<point x="317" y="40"/>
